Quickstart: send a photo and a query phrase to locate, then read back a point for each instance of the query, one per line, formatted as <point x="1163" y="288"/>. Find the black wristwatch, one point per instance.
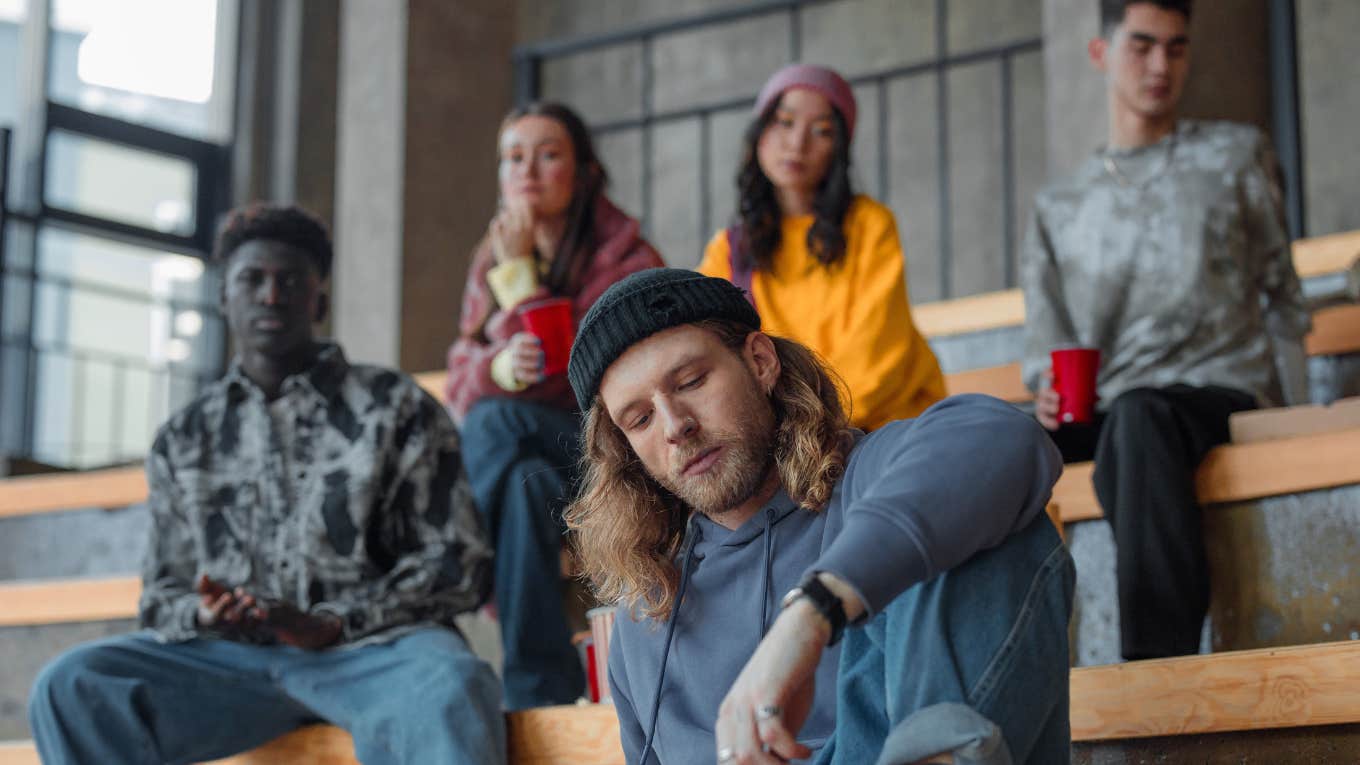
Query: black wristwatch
<point x="822" y="599"/>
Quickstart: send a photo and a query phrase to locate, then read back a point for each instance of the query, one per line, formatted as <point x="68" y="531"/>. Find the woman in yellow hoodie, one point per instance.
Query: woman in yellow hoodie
<point x="822" y="265"/>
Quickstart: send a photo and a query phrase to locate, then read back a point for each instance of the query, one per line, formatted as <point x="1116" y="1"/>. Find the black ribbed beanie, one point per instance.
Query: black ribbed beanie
<point x="639" y="306"/>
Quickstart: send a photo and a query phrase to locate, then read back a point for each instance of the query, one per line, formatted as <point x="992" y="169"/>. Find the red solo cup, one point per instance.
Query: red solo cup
<point x="601" y="624"/>
<point x="593" y="683"/>
<point x="1074" y="378"/>
<point x="550" y="321"/>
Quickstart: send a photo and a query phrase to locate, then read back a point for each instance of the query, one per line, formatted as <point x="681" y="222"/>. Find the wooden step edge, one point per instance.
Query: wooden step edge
<point x="110" y="488"/>
<point x="1291" y="687"/>
<point x="53" y="601"/>
<point x="585" y="734"/>
<point x="1299" y="686"/>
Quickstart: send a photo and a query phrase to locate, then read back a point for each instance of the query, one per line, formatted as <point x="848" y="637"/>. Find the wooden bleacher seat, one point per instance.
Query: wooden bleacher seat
<point x="1236" y="691"/>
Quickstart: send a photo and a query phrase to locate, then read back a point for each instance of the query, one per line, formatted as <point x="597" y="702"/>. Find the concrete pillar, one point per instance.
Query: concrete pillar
<point x="1229" y="73"/>
<point x="422" y="88"/>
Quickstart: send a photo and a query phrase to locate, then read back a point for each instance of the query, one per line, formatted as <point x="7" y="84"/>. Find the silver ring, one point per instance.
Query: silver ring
<point x="727" y="754"/>
<point x="768" y="712"/>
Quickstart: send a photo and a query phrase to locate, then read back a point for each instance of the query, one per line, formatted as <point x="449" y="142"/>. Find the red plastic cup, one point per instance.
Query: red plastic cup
<point x="550" y="321"/>
<point x="601" y="624"/>
<point x="1074" y="378"/>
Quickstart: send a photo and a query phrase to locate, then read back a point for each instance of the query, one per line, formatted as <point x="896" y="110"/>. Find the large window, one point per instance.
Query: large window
<point x="116" y="136"/>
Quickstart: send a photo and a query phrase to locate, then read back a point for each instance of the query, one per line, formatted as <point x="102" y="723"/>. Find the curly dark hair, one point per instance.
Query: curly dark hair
<point x="758" y="216"/>
<point x="289" y="224"/>
<point x="1112" y="11"/>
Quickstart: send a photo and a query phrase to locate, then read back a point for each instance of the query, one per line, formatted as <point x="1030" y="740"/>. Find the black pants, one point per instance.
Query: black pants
<point x="1146" y="448"/>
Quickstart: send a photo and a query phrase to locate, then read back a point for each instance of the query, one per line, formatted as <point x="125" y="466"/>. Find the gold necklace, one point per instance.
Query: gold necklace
<point x="1118" y="175"/>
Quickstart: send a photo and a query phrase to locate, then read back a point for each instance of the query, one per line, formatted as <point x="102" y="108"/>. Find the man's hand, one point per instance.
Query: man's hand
<point x="296" y="628"/>
<point x="771" y="699"/>
<point x="1047" y="403"/>
<point x="220" y="608"/>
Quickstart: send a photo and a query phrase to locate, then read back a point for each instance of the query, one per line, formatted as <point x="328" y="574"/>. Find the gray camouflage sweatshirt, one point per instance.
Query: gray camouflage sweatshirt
<point x="1174" y="262"/>
<point x="356" y="506"/>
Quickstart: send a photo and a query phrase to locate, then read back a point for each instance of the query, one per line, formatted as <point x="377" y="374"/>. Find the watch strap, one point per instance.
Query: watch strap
<point x="824" y="601"/>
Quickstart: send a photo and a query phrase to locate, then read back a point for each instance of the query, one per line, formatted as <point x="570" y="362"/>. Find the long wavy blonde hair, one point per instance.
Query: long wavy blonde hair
<point x="627" y="530"/>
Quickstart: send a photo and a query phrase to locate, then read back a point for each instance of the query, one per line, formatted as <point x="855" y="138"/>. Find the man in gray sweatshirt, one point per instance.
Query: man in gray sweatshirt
<point x="720" y="474"/>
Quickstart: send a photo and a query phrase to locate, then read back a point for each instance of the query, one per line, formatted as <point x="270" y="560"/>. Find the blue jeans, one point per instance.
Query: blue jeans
<point x="521" y="461"/>
<point x="990" y="634"/>
<point x="423" y="697"/>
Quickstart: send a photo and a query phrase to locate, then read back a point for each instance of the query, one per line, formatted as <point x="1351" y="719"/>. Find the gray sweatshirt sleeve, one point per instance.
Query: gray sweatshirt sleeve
<point x="1047" y="324"/>
<point x="1286" y="316"/>
<point x="922" y="496"/>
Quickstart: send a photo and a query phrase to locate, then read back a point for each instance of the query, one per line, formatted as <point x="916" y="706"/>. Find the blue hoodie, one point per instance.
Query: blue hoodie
<point x="918" y="497"/>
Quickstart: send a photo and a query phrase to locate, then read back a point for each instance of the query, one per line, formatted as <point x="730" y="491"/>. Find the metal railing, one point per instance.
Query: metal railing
<point x="529" y="60"/>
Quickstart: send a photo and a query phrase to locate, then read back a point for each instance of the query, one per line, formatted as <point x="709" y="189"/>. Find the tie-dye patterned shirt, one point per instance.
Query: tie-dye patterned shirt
<point x="358" y="507"/>
<point x="1174" y="262"/>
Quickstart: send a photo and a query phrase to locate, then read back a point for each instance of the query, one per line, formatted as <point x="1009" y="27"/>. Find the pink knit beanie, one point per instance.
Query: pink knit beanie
<point x="818" y="78"/>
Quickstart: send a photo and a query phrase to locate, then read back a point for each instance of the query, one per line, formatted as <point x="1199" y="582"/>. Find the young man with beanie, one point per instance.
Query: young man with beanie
<point x="312" y="538"/>
<point x="1167" y="252"/>
<point x="790" y="588"/>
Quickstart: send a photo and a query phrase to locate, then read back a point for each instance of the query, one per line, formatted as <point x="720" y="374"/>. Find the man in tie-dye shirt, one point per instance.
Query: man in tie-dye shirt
<point x="313" y="538"/>
<point x="1167" y="252"/>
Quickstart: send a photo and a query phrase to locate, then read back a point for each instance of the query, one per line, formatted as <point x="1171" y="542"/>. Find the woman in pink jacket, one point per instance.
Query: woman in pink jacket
<point x="556" y="235"/>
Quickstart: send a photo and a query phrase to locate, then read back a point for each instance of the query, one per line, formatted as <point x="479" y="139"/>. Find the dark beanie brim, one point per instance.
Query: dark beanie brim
<point x="640" y="305"/>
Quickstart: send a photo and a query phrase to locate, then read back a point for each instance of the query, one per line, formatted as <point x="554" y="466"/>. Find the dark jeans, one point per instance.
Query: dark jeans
<point x="1146" y="449"/>
<point x="521" y="462"/>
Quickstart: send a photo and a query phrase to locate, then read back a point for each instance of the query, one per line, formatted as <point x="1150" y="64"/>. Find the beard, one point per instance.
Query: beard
<point x="748" y="455"/>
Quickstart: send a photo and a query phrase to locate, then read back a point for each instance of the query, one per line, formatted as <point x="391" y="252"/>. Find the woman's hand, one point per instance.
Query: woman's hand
<point x="1047" y="403"/>
<point x="526" y="357"/>
<point x="512" y="232"/>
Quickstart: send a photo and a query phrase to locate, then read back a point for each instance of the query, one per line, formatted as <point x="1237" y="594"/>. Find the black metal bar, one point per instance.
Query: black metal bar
<point x="528" y="70"/>
<point x="122" y="232"/>
<point x="60" y="116"/>
<point x="564" y="47"/>
<point x="884" y="169"/>
<point x="942" y="147"/>
<point x="648" y="82"/>
<point x="1007" y="173"/>
<point x="705" y="177"/>
<point x="1284" y="89"/>
<point x="972" y="57"/>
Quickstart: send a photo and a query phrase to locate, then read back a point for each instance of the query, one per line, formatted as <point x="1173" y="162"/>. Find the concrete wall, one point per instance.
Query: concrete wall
<point x="1330" y="102"/>
<point x="688" y="200"/>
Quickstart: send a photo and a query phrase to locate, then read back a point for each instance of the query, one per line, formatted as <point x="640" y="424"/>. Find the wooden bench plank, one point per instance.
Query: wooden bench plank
<point x="115" y="487"/>
<point x="1234" y="691"/>
<point x="1300" y="686"/>
<point x="975" y="313"/>
<point x="1318" y="255"/>
<point x="1002" y="382"/>
<point x="1239" y="472"/>
<point x="1336" y="330"/>
<point x="50" y="601"/>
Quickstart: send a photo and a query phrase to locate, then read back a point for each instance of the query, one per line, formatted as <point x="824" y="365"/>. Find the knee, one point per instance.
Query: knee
<point x="65" y="681"/>
<point x="496" y="420"/>
<point x="1139" y="407"/>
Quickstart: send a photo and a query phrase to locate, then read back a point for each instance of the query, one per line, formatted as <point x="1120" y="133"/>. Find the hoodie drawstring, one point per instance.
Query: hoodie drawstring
<point x="691" y="536"/>
<point x="765" y="582"/>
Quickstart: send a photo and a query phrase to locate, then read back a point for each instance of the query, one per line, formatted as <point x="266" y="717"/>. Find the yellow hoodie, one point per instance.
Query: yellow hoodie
<point x="854" y="313"/>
